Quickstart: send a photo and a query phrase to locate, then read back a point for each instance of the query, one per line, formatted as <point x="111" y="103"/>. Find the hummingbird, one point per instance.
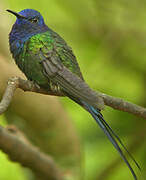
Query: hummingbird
<point x="46" y="59"/>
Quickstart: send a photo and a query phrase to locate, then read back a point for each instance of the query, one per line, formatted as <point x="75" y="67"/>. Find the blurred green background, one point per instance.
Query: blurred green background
<point x="109" y="41"/>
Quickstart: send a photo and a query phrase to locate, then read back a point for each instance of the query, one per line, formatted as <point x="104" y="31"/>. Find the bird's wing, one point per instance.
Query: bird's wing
<point x="66" y="54"/>
<point x="68" y="82"/>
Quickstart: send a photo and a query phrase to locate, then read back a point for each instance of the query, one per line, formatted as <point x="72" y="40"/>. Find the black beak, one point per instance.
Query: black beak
<point x="16" y="14"/>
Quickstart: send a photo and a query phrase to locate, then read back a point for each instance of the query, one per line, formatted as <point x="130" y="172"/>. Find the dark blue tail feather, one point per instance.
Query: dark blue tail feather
<point x="110" y="134"/>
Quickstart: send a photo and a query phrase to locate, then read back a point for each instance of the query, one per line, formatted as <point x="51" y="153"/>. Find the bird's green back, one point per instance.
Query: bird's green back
<point x="48" y="42"/>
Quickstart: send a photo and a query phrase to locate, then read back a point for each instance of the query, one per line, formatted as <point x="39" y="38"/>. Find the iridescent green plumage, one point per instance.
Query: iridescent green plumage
<point x="29" y="59"/>
<point x="50" y="47"/>
<point x="47" y="60"/>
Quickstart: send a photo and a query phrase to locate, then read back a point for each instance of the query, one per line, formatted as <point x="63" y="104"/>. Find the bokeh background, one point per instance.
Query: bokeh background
<point x="109" y="41"/>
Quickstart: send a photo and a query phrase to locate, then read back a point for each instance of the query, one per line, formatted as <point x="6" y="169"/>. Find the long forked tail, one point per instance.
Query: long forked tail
<point x="111" y="135"/>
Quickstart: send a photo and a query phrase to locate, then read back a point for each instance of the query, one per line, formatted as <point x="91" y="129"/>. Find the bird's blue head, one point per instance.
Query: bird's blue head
<point x="29" y="22"/>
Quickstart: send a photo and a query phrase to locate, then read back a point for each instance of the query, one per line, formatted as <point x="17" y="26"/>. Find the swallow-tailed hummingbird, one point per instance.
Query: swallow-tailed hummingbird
<point x="46" y="59"/>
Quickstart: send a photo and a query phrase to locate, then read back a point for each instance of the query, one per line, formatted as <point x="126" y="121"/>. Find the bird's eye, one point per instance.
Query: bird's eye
<point x="34" y="20"/>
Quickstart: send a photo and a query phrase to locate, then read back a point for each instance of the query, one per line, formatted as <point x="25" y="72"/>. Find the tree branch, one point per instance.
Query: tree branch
<point x="19" y="149"/>
<point x="28" y="155"/>
<point x="13" y="84"/>
<point x="116" y="103"/>
<point x="122" y="105"/>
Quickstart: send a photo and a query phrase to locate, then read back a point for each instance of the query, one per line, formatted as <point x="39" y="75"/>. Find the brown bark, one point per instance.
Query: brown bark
<point x="19" y="149"/>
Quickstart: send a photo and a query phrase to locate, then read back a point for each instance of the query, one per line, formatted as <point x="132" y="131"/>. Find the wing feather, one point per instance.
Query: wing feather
<point x="71" y="84"/>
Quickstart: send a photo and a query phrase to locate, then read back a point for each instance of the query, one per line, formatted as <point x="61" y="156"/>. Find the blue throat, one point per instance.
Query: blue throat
<point x="18" y="36"/>
<point x="29" y="22"/>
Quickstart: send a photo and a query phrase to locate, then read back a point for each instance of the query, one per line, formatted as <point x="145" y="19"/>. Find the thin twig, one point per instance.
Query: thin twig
<point x="7" y="97"/>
